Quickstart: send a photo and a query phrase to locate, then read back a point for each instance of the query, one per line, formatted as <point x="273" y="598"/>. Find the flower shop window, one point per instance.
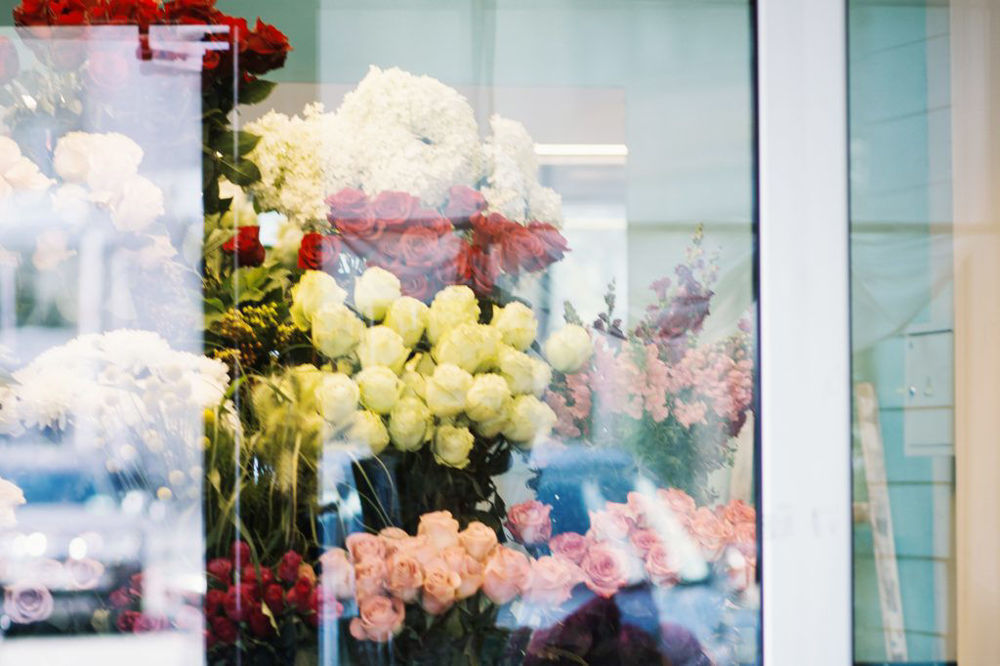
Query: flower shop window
<point x="383" y="333"/>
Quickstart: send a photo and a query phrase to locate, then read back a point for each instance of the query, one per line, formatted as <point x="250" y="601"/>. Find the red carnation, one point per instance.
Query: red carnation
<point x="246" y="246"/>
<point x="463" y="202"/>
<point x="318" y="252"/>
<point x="288" y="568"/>
<point x="266" y="49"/>
<point x="394" y="208"/>
<point x="221" y="569"/>
<point x="224" y="630"/>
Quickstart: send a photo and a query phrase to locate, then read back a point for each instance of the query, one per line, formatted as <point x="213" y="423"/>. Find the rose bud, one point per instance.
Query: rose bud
<point x="240" y="552"/>
<point x="260" y="624"/>
<point x="288" y="568"/>
<point x="221" y="569"/>
<point x="274" y="597"/>
<point x="224" y="629"/>
<point x="214" y="599"/>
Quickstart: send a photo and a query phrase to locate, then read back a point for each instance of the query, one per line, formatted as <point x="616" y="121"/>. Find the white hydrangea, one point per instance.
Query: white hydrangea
<point x="117" y="384"/>
<point x="511" y="174"/>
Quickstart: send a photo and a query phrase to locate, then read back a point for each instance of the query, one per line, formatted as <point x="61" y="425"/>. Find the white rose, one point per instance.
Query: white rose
<point x="452" y="445"/>
<point x="451" y="307"/>
<point x="517" y="323"/>
<point x="338" y="397"/>
<point x="410" y="424"/>
<point x="446" y="390"/>
<point x="139" y="204"/>
<point x="288" y="242"/>
<point x="10" y="497"/>
<point x="541" y="376"/>
<point x="529" y="419"/>
<point x="336" y="330"/>
<point x="569" y="348"/>
<point x="472" y="347"/>
<point x="518" y="369"/>
<point x="314" y="290"/>
<point x="380" y="388"/>
<point x="488" y="399"/>
<point x="380" y="345"/>
<point x="374" y="291"/>
<point x="368" y="430"/>
<point x="408" y="317"/>
<point x="114" y="160"/>
<point x="71" y="159"/>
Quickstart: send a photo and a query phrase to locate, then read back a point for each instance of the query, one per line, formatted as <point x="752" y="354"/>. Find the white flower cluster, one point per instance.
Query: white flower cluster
<point x="396" y="132"/>
<point x="10" y="497"/>
<point x="17" y="172"/>
<point x="114" y="385"/>
<point x="103" y="169"/>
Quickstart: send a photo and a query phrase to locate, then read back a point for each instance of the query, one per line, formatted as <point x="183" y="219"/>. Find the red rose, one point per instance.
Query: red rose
<point x="274" y="597"/>
<point x="191" y="12"/>
<point x="145" y="623"/>
<point x="394" y="208"/>
<point x="260" y="624"/>
<point x="489" y="229"/>
<point x="214" y="599"/>
<point x="126" y="621"/>
<point x="127" y="12"/>
<point x="267" y="47"/>
<point x="418" y="246"/>
<point x="68" y="12"/>
<point x="417" y="285"/>
<point x="239" y="600"/>
<point x="221" y="568"/>
<point x="251" y="575"/>
<point x="521" y="249"/>
<point x="240" y="552"/>
<point x="463" y="201"/>
<point x="10" y="65"/>
<point x="318" y="252"/>
<point x="348" y="204"/>
<point x="288" y="568"/>
<point x="479" y="268"/>
<point x="120" y="598"/>
<point x="298" y="596"/>
<point x="554" y="242"/>
<point x="135" y="585"/>
<point x="322" y="606"/>
<point x="224" y="630"/>
<point x="32" y="12"/>
<point x="246" y="246"/>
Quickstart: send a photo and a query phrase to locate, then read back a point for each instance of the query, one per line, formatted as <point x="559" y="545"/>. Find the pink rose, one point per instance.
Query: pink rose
<point x="440" y="588"/>
<point x="440" y="528"/>
<point x="710" y="532"/>
<point x="478" y="540"/>
<point x="506" y="574"/>
<point x="467" y="567"/>
<point x="644" y="540"/>
<point x="679" y="502"/>
<point x="738" y="511"/>
<point x="369" y="578"/>
<point x="608" y="526"/>
<point x="364" y="546"/>
<point x="745" y="538"/>
<point x="338" y="573"/>
<point x="28" y="602"/>
<point x="604" y="569"/>
<point x="391" y="537"/>
<point x="570" y="546"/>
<point x="419" y="548"/>
<point x="552" y="580"/>
<point x="660" y="566"/>
<point x="405" y="577"/>
<point x="85" y="573"/>
<point x="529" y="522"/>
<point x="379" y="619"/>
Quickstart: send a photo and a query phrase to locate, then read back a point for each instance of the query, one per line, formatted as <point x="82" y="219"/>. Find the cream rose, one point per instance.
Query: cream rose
<point x="379" y="619"/>
<point x="506" y="575"/>
<point x="451" y="307"/>
<point x="405" y="577"/>
<point x="337" y="573"/>
<point x="374" y="291"/>
<point x="472" y="347"/>
<point x="408" y="317"/>
<point x="516" y="323"/>
<point x="369" y="578"/>
<point x="440" y="588"/>
<point x="447" y="389"/>
<point x="569" y="348"/>
<point x="380" y="345"/>
<point x="314" y="290"/>
<point x="452" y="445"/>
<point x="518" y="369"/>
<point x="529" y="419"/>
<point x="478" y="540"/>
<point x="414" y="384"/>
<point x="364" y="546"/>
<point x="488" y="399"/>
<point x="440" y="529"/>
<point x="367" y="429"/>
<point x="338" y="397"/>
<point x="469" y="569"/>
<point x="380" y="388"/>
<point x="336" y="330"/>
<point x="410" y="424"/>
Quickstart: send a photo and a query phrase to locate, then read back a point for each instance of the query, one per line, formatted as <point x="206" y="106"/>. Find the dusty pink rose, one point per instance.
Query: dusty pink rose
<point x="440" y="528"/>
<point x="379" y="619"/>
<point x="605" y="569"/>
<point x="552" y="580"/>
<point x="745" y="538"/>
<point x="644" y="540"/>
<point x="710" y="532"/>
<point x="570" y="546"/>
<point x="641" y="507"/>
<point x="608" y="526"/>
<point x="678" y="501"/>
<point x="506" y="574"/>
<point x="467" y="567"/>
<point x="364" y="546"/>
<point x="440" y="588"/>
<point x="529" y="522"/>
<point x="478" y="540"/>
<point x="369" y="578"/>
<point x="338" y="573"/>
<point x="391" y="537"/>
<point x="28" y="602"/>
<point x="405" y="576"/>
<point x="419" y="548"/>
<point x="85" y="573"/>
<point x="660" y="566"/>
<point x="738" y="511"/>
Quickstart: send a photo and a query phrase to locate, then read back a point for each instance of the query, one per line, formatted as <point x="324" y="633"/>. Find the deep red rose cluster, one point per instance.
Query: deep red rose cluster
<point x="260" y="50"/>
<point x="246" y="247"/>
<point x="427" y="248"/>
<point x="127" y="604"/>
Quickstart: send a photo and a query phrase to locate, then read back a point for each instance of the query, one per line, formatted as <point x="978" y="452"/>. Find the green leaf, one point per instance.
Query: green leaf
<point x="242" y="142"/>
<point x="241" y="172"/>
<point x="254" y="92"/>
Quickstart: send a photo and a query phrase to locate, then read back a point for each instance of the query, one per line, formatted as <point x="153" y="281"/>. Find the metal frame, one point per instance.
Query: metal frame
<point x="804" y="332"/>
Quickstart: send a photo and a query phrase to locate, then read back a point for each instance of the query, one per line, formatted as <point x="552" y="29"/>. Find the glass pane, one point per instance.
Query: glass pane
<point x="470" y="338"/>
<point x="903" y="314"/>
